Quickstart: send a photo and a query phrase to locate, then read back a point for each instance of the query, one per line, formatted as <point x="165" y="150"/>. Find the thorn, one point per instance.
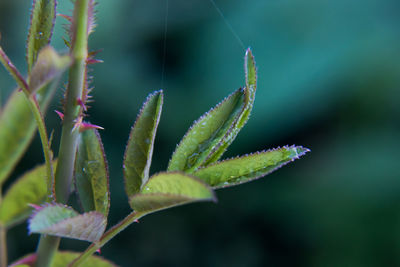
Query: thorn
<point x="59" y="114"/>
<point x="93" y="53"/>
<point x="80" y="103"/>
<point x="91" y="61"/>
<point x="66" y="42"/>
<point x="69" y="18"/>
<point x="86" y="126"/>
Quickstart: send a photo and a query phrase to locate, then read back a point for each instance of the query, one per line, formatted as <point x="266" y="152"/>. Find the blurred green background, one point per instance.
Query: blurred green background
<point x="329" y="79"/>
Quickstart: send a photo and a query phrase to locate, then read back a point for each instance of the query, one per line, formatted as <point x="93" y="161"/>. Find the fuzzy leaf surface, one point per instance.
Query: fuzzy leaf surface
<point x="91" y="173"/>
<point x="169" y="189"/>
<point x="43" y="16"/>
<point x="30" y="188"/>
<point x="250" y="69"/>
<point x="17" y="127"/>
<point x="63" y="221"/>
<point x="248" y="168"/>
<point x="207" y="133"/>
<point x="139" y="150"/>
<point x="49" y="66"/>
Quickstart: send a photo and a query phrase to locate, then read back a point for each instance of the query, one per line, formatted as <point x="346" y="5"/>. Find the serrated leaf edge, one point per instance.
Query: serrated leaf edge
<point x="306" y="150"/>
<point x="37" y="210"/>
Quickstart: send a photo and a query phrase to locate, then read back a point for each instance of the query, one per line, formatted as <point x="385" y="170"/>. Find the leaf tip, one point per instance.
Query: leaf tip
<point x="248" y="53"/>
<point x="250" y="69"/>
<point x="298" y="151"/>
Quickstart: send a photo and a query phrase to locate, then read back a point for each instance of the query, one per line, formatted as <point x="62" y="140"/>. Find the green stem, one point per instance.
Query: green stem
<point x="116" y="229"/>
<point x="45" y="143"/>
<point x="69" y="135"/>
<point x="46" y="250"/>
<point x="73" y="110"/>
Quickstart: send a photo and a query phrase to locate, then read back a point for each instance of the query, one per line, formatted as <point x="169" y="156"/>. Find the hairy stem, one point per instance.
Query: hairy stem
<point x="69" y="136"/>
<point x="73" y="110"/>
<point x="116" y="229"/>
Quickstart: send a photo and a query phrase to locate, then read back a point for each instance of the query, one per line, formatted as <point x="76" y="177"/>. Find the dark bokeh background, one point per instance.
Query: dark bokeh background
<point x="329" y="79"/>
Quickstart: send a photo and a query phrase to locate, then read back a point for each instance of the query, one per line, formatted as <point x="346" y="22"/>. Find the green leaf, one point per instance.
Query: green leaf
<point x="63" y="258"/>
<point x="207" y="133"/>
<point x="30" y="188"/>
<point x="91" y="173"/>
<point x="43" y="16"/>
<point x="250" y="69"/>
<point x="166" y="190"/>
<point x="49" y="66"/>
<point x="250" y="93"/>
<point x="17" y="127"/>
<point x="210" y="136"/>
<point x="63" y="221"/>
<point x="248" y="168"/>
<point x="139" y="151"/>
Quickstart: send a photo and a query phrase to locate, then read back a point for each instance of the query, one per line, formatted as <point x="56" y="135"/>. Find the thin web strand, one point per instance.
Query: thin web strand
<point x="165" y="44"/>
<point x="228" y="24"/>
